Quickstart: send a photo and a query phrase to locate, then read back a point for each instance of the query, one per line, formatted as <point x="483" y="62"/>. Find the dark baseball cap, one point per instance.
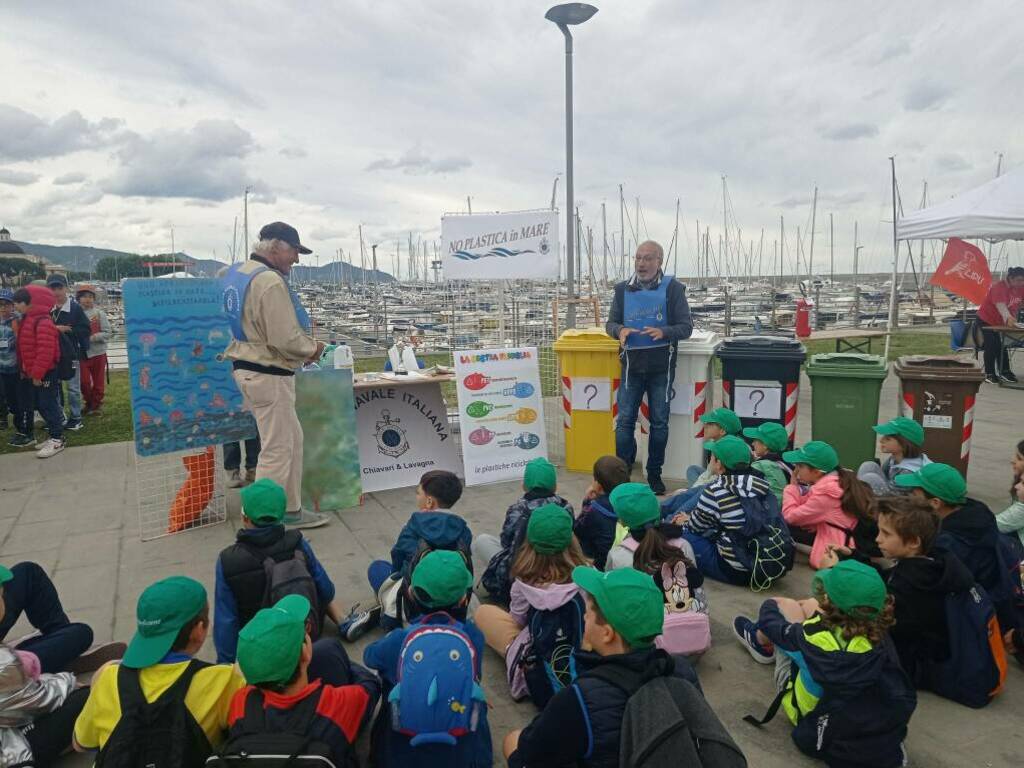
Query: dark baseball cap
<point x="57" y="279"/>
<point x="278" y="230"/>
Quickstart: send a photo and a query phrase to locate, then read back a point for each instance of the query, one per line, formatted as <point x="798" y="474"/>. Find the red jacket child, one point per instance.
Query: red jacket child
<point x="38" y="342"/>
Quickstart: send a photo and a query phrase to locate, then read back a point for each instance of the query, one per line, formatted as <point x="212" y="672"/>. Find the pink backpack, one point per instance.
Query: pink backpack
<point x="687" y="629"/>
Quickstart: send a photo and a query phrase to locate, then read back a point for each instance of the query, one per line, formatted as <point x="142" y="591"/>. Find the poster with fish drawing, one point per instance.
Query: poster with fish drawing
<point x="501" y="412"/>
<point x="183" y="394"/>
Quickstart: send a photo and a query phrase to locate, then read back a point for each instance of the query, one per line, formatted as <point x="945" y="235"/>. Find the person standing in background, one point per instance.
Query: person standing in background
<point x="72" y="323"/>
<point x="94" y="365"/>
<point x="1000" y="308"/>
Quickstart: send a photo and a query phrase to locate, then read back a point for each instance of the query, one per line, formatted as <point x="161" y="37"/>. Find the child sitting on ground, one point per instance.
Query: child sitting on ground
<point x="767" y="442"/>
<point x="440" y="584"/>
<point x="543" y="596"/>
<point x="901" y="439"/>
<point x="657" y="549"/>
<point x="838" y="680"/>
<point x="595" y="527"/>
<point x="540" y="483"/>
<point x="826" y="513"/>
<point x="430" y="528"/>
<point x="581" y="724"/>
<point x="241" y="577"/>
<point x="720" y="423"/>
<point x="1011" y="519"/>
<point x="274" y="654"/>
<point x="968" y="530"/>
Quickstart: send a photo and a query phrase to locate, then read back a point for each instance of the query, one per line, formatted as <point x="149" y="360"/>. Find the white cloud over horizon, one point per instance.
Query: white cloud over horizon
<point x="117" y="125"/>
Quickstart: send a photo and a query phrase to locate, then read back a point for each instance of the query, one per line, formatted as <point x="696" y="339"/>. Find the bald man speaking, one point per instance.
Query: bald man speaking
<point x="649" y="316"/>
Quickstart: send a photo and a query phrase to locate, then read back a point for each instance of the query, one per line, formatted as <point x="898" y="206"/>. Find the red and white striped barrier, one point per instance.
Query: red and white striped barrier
<point x="567" y="402"/>
<point x="726" y="393"/>
<point x="615" y="402"/>
<point x="965" y="440"/>
<point x="644" y="416"/>
<point x="792" y="399"/>
<point x="698" y="407"/>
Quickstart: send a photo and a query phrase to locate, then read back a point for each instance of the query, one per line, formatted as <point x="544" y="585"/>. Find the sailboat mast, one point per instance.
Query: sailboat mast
<point x="831" y="252"/>
<point x="675" y="240"/>
<point x="810" y="256"/>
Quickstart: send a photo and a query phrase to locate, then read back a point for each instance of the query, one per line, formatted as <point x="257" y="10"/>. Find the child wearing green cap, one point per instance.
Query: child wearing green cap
<point x="719" y="423"/>
<point x="440" y="583"/>
<point x="838" y="680"/>
<point x="540" y="483"/>
<point x="968" y="529"/>
<point x="824" y="504"/>
<point x="542" y="584"/>
<point x="901" y="440"/>
<point x="581" y="724"/>
<point x="767" y="442"/>
<point x="173" y="618"/>
<point x="275" y="653"/>
<point x="241" y="576"/>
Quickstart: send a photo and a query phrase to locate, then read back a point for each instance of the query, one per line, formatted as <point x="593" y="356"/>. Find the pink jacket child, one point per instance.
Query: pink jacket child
<point x="819" y="510"/>
<point x="524" y="598"/>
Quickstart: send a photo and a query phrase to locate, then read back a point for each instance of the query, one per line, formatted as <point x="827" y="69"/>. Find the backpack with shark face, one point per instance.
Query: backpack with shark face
<point x="437" y="698"/>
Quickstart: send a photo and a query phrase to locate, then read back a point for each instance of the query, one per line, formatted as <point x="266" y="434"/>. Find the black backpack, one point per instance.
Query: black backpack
<point x="549" y="659"/>
<point x="290" y="576"/>
<point x="290" y="747"/>
<point x="158" y="734"/>
<point x="763" y="545"/>
<point x="68" y="355"/>
<point x="669" y="724"/>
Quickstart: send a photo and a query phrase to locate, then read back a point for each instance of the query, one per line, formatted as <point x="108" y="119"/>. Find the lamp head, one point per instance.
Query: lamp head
<point x="569" y="14"/>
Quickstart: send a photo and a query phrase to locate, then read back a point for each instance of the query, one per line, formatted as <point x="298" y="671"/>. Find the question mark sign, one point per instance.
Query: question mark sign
<point x="760" y="399"/>
<point x="586" y="390"/>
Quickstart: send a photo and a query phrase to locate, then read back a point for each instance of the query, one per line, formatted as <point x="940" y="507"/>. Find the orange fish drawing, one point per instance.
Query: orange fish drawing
<point x="145" y="419"/>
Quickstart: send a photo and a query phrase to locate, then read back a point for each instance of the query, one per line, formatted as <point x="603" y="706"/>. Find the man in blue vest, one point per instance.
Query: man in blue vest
<point x="271" y="340"/>
<point x="649" y="316"/>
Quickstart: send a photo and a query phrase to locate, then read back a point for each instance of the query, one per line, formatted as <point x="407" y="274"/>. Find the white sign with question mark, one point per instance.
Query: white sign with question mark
<point x="757" y="399"/>
<point x="591" y="394"/>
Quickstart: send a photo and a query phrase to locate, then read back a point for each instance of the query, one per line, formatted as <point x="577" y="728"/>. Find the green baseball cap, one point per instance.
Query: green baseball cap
<point x="904" y="427"/>
<point x="441" y="579"/>
<point x="163" y="609"/>
<point x="628" y="599"/>
<point x="853" y="587"/>
<point x="939" y="480"/>
<point x="264" y="502"/>
<point x="5" y="574"/>
<point x="730" y="450"/>
<point x="817" y="454"/>
<point x="270" y="644"/>
<point x="549" y="530"/>
<point x="635" y="504"/>
<point x="725" y="418"/>
<point x="771" y="433"/>
<point x="540" y="473"/>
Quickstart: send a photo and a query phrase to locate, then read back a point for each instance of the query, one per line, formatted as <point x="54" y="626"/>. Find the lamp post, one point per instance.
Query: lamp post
<point x="566" y="15"/>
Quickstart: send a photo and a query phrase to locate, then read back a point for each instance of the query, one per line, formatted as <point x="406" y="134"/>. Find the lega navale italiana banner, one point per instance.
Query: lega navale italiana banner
<point x="500" y="246"/>
<point x="501" y="412"/>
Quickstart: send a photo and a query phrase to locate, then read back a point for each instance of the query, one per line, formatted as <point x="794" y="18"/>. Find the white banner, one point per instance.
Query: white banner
<point x="501" y="412"/>
<point x="500" y="246"/>
<point x="403" y="432"/>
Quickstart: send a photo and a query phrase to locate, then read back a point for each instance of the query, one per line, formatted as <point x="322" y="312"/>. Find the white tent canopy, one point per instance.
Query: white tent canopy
<point x="993" y="211"/>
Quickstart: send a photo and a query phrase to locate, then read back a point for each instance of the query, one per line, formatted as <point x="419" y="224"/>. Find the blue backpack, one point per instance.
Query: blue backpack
<point x="763" y="544"/>
<point x="549" y="659"/>
<point x="976" y="668"/>
<point x="437" y="698"/>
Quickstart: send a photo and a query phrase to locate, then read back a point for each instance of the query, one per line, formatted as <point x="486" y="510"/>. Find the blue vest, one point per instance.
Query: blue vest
<point x="643" y="309"/>
<point x="236" y="286"/>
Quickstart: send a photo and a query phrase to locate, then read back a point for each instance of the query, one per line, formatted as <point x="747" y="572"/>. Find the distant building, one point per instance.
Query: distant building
<point x="10" y="249"/>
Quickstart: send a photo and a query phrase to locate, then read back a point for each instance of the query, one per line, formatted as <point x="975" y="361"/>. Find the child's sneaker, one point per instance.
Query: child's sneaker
<point x="22" y="441"/>
<point x="746" y="632"/>
<point x="234" y="478"/>
<point x="50" y="448"/>
<point x="74" y="425"/>
<point x="96" y="657"/>
<point x="358" y="623"/>
<point x="250" y="476"/>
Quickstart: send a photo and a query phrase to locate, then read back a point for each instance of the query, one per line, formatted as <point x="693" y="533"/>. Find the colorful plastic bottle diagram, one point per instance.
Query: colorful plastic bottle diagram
<point x="481" y="436"/>
<point x="521" y="416"/>
<point x="480" y="408"/>
<point x="526" y="440"/>
<point x="477" y="381"/>
<point x="521" y="389"/>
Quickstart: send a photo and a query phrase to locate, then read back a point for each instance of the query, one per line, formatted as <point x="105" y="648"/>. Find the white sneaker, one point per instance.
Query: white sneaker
<point x="234" y="478"/>
<point x="50" y="448"/>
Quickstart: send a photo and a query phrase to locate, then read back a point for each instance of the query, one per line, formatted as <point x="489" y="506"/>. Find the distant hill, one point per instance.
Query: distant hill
<point x="83" y="258"/>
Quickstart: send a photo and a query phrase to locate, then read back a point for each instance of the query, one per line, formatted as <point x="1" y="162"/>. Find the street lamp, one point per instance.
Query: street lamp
<point x="566" y="15"/>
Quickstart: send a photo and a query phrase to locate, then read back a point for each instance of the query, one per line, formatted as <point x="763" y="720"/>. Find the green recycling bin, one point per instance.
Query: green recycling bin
<point x="845" y="389"/>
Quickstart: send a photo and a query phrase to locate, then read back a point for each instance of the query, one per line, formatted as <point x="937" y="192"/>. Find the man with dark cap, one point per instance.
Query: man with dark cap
<point x="271" y="340"/>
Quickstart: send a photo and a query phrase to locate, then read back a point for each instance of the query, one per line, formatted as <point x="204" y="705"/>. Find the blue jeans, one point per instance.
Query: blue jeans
<point x="233" y="454"/>
<point x="632" y="390"/>
<point x="681" y="502"/>
<point x="44" y="399"/>
<point x="711" y="563"/>
<point x="378" y="572"/>
<point x="692" y="473"/>
<point x="74" y="400"/>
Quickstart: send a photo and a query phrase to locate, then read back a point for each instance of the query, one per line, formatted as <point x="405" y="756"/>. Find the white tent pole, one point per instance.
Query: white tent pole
<point x="895" y="263"/>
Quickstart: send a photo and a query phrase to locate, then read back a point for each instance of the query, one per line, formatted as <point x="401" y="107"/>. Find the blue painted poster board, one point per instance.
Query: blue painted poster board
<point x="183" y="394"/>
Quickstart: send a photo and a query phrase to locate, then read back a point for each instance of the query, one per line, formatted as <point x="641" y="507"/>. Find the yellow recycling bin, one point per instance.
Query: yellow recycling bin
<point x="589" y="364"/>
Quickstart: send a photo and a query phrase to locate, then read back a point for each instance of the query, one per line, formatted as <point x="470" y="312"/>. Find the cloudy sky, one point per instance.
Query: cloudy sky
<point x="119" y="120"/>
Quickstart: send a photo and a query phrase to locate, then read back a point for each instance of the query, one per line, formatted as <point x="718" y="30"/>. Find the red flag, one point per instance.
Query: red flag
<point x="963" y="271"/>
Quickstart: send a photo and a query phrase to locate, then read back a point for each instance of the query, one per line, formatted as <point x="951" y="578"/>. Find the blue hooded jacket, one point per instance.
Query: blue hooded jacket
<point x="441" y="530"/>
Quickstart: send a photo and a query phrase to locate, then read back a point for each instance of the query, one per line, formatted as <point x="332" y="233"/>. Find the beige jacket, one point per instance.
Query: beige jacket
<point x="275" y="337"/>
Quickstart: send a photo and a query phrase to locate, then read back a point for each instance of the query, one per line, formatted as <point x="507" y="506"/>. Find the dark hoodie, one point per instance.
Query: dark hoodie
<point x="919" y="586"/>
<point x="971" y="534"/>
<point x="439" y="530"/>
<point x="595" y="529"/>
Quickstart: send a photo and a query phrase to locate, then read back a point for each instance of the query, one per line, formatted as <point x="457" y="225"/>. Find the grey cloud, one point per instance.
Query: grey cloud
<point x="17" y="178"/>
<point x="925" y="94"/>
<point x="416" y="162"/>
<point x="952" y="162"/>
<point x="24" y="136"/>
<point x="69" y="178"/>
<point x="850" y="132"/>
<point x="329" y="233"/>
<point x="58" y="199"/>
<point x="293" y="153"/>
<point x="893" y="51"/>
<point x="205" y="163"/>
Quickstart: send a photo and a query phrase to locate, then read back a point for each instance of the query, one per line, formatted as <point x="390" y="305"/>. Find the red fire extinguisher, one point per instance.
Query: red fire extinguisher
<point x="803" y="318"/>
